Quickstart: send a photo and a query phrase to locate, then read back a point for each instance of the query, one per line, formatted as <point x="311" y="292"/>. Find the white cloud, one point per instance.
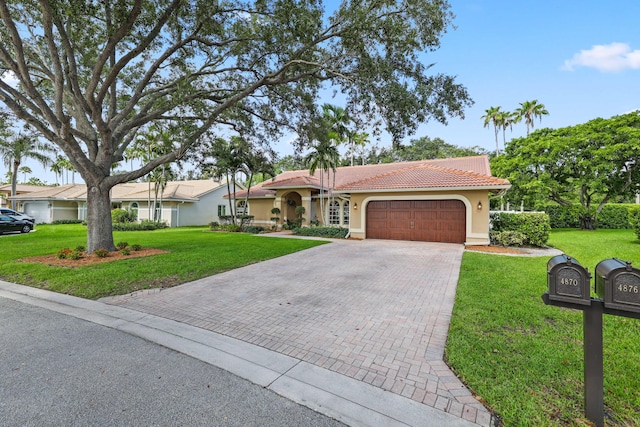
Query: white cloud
<point x="606" y="58"/>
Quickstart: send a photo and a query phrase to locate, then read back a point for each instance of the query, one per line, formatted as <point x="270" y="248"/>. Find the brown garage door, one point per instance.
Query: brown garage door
<point x="422" y="220"/>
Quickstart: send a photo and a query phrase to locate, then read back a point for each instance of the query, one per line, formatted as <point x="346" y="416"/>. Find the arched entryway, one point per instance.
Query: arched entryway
<point x="290" y="201"/>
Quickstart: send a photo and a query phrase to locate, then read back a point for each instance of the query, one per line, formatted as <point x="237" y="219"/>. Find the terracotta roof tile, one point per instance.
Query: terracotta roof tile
<point x="438" y="173"/>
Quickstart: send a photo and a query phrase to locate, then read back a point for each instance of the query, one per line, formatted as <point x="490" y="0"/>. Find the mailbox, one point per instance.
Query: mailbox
<point x="618" y="284"/>
<point x="568" y="280"/>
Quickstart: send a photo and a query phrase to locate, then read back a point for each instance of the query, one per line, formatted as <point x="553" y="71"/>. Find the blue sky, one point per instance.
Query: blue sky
<point x="580" y="59"/>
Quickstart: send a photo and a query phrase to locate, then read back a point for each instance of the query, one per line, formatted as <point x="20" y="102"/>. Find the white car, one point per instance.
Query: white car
<point x="17" y="215"/>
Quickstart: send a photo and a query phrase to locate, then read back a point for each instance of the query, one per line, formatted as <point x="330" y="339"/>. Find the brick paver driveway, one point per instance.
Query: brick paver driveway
<point x="374" y="310"/>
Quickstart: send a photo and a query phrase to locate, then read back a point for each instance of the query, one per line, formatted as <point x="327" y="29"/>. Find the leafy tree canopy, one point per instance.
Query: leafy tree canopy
<point x="92" y="73"/>
<point x="423" y="148"/>
<point x="588" y="164"/>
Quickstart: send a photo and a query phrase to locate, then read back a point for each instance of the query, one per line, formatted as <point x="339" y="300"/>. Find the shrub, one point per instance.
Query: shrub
<point x="122" y="245"/>
<point x="63" y="253"/>
<point x="80" y="248"/>
<point x="136" y="247"/>
<point x="245" y="220"/>
<point x="253" y="229"/>
<point x="619" y="216"/>
<point x="330" y="232"/>
<point x="562" y="216"/>
<point x="122" y="216"/>
<point x="534" y="227"/>
<point x="76" y="254"/>
<point x="507" y="238"/>
<point x="101" y="253"/>
<point x="125" y="251"/>
<point x="67" y="221"/>
<point x="142" y="226"/>
<point x="232" y="228"/>
<point x="214" y="226"/>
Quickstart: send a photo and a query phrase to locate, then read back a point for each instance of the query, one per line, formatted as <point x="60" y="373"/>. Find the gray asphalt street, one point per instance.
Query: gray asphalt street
<point x="57" y="370"/>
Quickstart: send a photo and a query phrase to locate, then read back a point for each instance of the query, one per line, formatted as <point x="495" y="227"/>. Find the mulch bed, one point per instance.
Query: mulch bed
<point x="495" y="250"/>
<point x="90" y="259"/>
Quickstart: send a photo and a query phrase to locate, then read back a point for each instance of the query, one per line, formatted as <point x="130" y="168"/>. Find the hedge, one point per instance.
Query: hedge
<point x="142" y="226"/>
<point x="616" y="216"/>
<point x="532" y="228"/>
<point x="330" y="232"/>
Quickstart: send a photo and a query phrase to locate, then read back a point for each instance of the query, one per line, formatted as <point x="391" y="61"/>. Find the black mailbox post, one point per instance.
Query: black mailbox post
<point x="618" y="291"/>
<point x="618" y="284"/>
<point x="568" y="280"/>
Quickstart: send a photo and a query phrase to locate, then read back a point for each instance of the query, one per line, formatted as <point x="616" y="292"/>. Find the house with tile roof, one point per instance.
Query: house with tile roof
<point x="442" y="200"/>
<point x="5" y="192"/>
<point x="182" y="203"/>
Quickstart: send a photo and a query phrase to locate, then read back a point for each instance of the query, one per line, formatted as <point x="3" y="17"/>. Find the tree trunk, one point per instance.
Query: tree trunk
<point x="586" y="222"/>
<point x="14" y="183"/>
<point x="99" y="228"/>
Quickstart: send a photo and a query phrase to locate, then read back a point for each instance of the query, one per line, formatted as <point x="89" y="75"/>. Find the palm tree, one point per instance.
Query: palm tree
<point x="16" y="149"/>
<point x="324" y="156"/>
<point x="24" y="170"/>
<point x="337" y="120"/>
<point x="529" y="111"/>
<point x="506" y="120"/>
<point x="492" y="115"/>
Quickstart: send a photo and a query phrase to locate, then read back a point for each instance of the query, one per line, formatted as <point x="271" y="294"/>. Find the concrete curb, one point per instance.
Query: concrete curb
<point x="348" y="400"/>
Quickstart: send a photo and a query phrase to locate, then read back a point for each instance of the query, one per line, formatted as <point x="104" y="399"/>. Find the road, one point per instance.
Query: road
<point x="57" y="370"/>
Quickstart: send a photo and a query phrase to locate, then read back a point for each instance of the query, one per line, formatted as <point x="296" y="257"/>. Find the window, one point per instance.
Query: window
<point x="334" y="213"/>
<point x="242" y="208"/>
<point x="134" y="210"/>
<point x="345" y="213"/>
<point x="222" y="210"/>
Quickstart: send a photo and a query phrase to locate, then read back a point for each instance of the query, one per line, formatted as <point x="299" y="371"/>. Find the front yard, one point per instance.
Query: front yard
<point x="193" y="253"/>
<point x="522" y="358"/>
<point x="525" y="359"/>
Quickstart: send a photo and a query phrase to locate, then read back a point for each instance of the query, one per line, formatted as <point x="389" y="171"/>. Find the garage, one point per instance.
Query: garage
<point x="38" y="210"/>
<point x="418" y="220"/>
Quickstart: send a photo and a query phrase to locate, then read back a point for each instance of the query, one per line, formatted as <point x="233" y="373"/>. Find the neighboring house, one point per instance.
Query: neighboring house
<point x="443" y="200"/>
<point x="5" y="192"/>
<point x="197" y="202"/>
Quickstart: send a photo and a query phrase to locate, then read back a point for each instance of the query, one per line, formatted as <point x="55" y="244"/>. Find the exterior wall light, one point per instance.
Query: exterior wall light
<point x="479" y="206"/>
<point x="355" y="206"/>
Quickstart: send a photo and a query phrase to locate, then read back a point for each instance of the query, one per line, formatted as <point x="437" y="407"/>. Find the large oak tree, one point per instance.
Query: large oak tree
<point x="93" y="73"/>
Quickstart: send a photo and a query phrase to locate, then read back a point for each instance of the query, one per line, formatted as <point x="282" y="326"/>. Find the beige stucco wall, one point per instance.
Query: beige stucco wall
<point x="477" y="219"/>
<point x="260" y="208"/>
<point x="62" y="210"/>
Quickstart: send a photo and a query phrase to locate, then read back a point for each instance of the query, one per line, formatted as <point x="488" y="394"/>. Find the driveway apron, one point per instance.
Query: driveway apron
<point x="374" y="310"/>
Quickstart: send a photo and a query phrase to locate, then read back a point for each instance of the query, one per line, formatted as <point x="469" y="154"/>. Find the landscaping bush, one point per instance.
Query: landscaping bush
<point x="67" y="221"/>
<point x="616" y="216"/>
<point x="122" y="216"/>
<point x="534" y="227"/>
<point x="507" y="238"/>
<point x="232" y="228"/>
<point x="101" y="253"/>
<point x="122" y="245"/>
<point x="245" y="220"/>
<point x="136" y="247"/>
<point x="562" y="216"/>
<point x="252" y="229"/>
<point x="331" y="232"/>
<point x="142" y="226"/>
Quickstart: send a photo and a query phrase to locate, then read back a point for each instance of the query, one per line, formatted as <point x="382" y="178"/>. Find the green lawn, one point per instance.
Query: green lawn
<point x="193" y="253"/>
<point x="525" y="359"/>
